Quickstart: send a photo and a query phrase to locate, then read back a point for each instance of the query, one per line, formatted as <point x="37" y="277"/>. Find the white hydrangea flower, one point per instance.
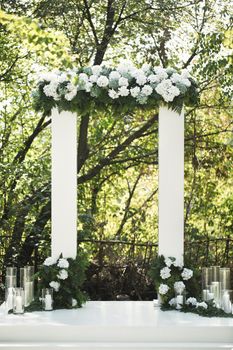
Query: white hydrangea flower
<point x="191" y="301"/>
<point x="88" y="87"/>
<point x="102" y="81"/>
<point x="50" y="90"/>
<point x="123" y="91"/>
<point x="152" y="78"/>
<point x="146" y="67"/>
<point x="163" y="289"/>
<point x="177" y="78"/>
<point x="172" y="302"/>
<point x="123" y="82"/>
<point x="71" y="91"/>
<point x="135" y="91"/>
<point x="202" y="304"/>
<point x="168" y="262"/>
<point x="187" y="274"/>
<point x="114" y="75"/>
<point x="63" y="263"/>
<point x="186" y="82"/>
<point x="93" y="78"/>
<point x="125" y="66"/>
<point x="161" y="73"/>
<point x="83" y="77"/>
<point x="55" y="285"/>
<point x="147" y="90"/>
<point x="141" y="79"/>
<point x="49" y="261"/>
<point x="165" y="273"/>
<point x="167" y="90"/>
<point x="74" y="302"/>
<point x="185" y="74"/>
<point x="63" y="274"/>
<point x="113" y="94"/>
<point x="179" y="287"/>
<point x="96" y="70"/>
<point x="178" y="263"/>
<point x="48" y="76"/>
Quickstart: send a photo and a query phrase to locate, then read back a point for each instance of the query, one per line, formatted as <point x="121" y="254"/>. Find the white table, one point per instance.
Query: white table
<point x="118" y="325"/>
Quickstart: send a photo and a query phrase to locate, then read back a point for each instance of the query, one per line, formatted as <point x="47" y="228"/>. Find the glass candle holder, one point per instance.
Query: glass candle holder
<point x="226" y="301"/>
<point x="27" y="283"/>
<point x="11" y="277"/>
<point x="206" y="275"/>
<point x="225" y="277"/>
<point x="215" y="288"/>
<point x="180" y="298"/>
<point x="11" y="271"/>
<point x="18" y="301"/>
<point x="10" y="284"/>
<point x="47" y="299"/>
<point x="215" y="274"/>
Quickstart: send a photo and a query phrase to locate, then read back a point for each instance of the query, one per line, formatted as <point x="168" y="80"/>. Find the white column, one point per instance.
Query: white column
<point x="64" y="184"/>
<point x="171" y="183"/>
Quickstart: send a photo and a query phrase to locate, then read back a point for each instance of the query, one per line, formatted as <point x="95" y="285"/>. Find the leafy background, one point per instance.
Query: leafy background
<point x="117" y="155"/>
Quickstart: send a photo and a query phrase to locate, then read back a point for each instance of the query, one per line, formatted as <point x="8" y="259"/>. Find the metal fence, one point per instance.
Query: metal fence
<point x="119" y="269"/>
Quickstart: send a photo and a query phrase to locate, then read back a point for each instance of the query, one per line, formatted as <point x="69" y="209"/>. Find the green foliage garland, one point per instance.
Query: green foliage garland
<point x="91" y="90"/>
<point x="192" y="290"/>
<point x="69" y="294"/>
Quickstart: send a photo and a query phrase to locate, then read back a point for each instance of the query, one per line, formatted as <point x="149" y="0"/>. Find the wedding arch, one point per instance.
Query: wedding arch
<point x="125" y="88"/>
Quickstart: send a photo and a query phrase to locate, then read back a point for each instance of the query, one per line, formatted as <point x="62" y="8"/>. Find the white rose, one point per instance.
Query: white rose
<point x="163" y="289"/>
<point x="147" y="90"/>
<point x="63" y="274"/>
<point x="113" y="94"/>
<point x="49" y="261"/>
<point x="165" y="273"/>
<point x="123" y="82"/>
<point x="55" y="285"/>
<point x="63" y="263"/>
<point x="123" y="91"/>
<point x="135" y="91"/>
<point x="187" y="274"/>
<point x="102" y="81"/>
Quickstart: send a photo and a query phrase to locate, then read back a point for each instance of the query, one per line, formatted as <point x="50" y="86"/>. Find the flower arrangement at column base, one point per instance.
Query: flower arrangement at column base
<point x="65" y="277"/>
<point x="178" y="288"/>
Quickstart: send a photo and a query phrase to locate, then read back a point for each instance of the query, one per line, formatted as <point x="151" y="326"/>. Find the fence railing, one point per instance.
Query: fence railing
<point x="121" y="267"/>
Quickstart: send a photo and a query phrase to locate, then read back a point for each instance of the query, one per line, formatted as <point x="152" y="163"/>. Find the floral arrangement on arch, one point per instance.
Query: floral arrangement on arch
<point x="66" y="277"/>
<point x="172" y="279"/>
<point x="122" y="89"/>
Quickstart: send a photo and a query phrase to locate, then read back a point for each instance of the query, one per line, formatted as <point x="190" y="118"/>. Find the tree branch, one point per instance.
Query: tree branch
<point x="107" y="160"/>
